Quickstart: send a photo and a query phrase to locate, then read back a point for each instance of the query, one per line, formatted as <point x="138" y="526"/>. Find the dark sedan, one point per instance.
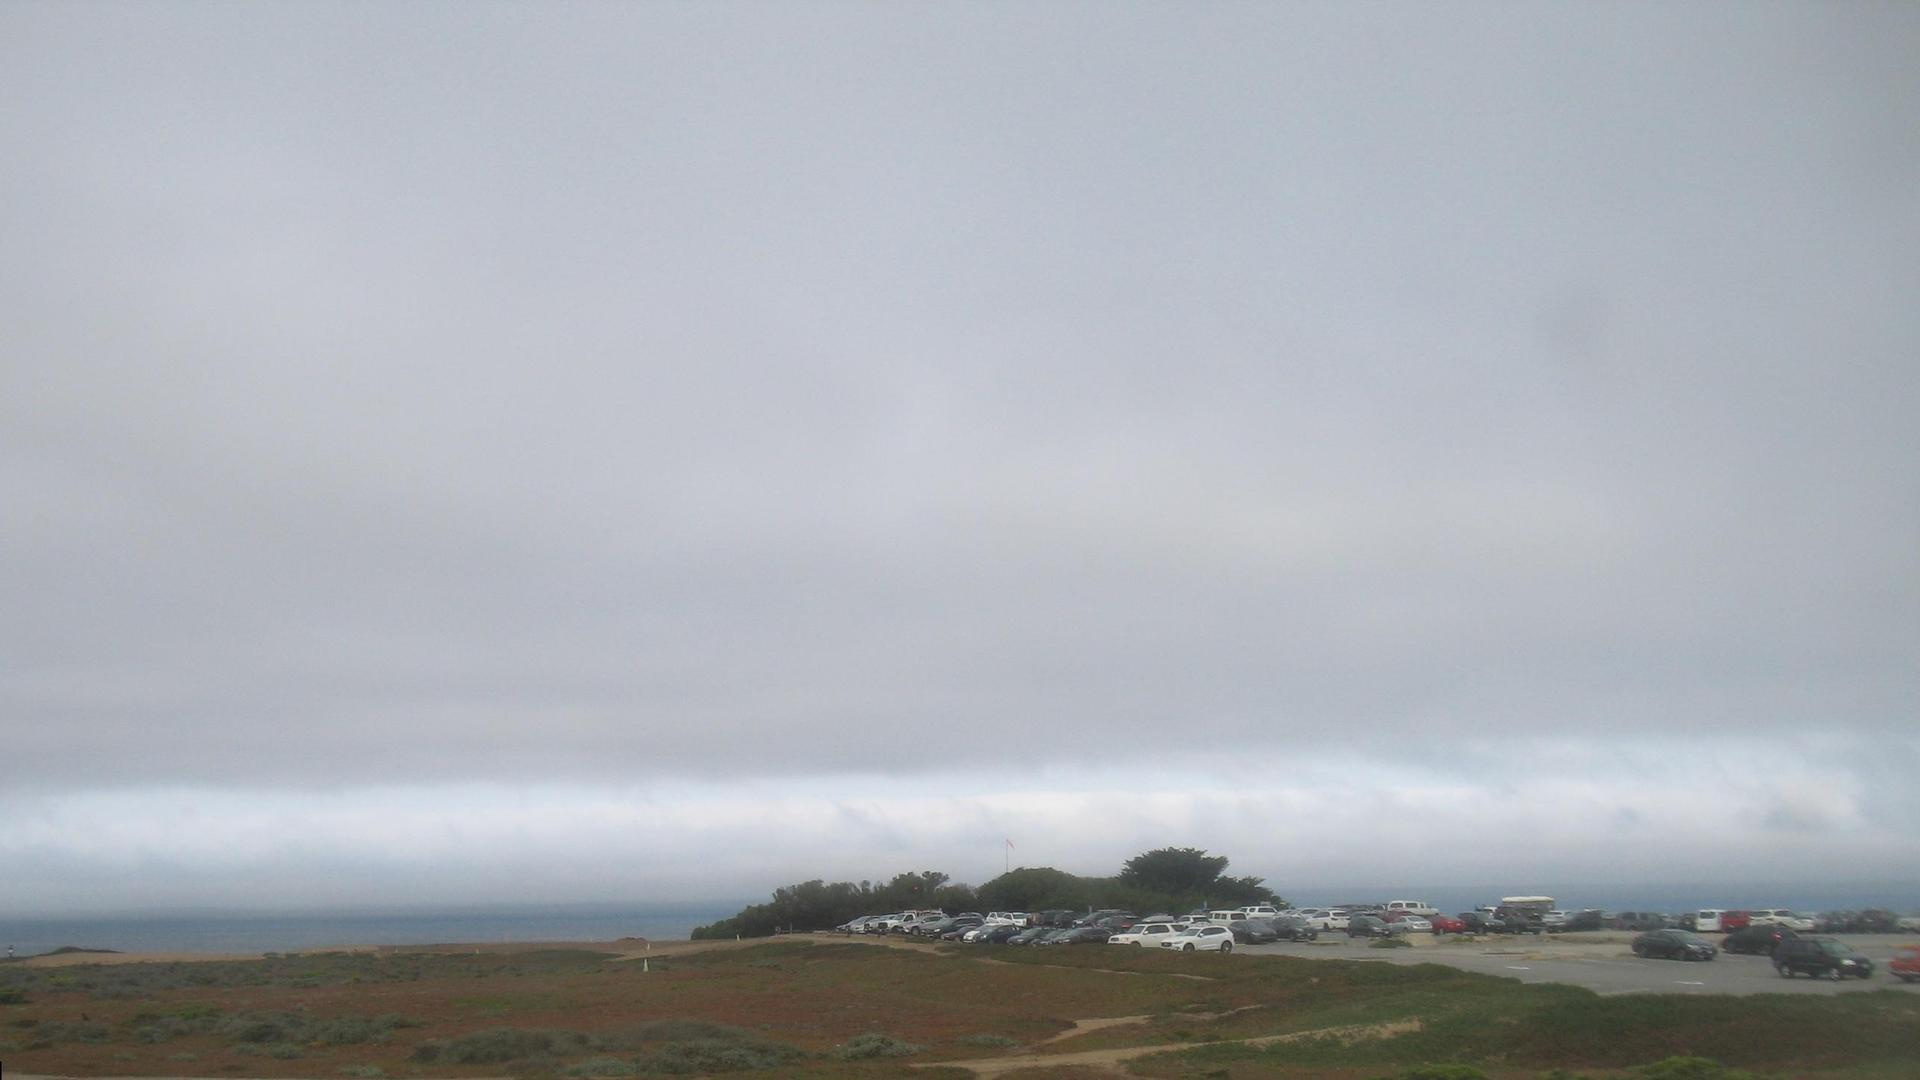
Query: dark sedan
<point x="1293" y="929"/>
<point x="1085" y="935"/>
<point x="1674" y="945"/>
<point x="1368" y="926"/>
<point x="1253" y="932"/>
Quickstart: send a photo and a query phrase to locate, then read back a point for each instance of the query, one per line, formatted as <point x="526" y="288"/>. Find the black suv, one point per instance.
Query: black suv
<point x="1819" y="956"/>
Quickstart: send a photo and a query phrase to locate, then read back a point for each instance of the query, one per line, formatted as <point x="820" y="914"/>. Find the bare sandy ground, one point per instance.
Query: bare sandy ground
<point x="1110" y="1059"/>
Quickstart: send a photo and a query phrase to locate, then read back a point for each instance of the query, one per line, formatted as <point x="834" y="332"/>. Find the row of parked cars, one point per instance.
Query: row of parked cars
<point x="1200" y="931"/>
<point x="1792" y="952"/>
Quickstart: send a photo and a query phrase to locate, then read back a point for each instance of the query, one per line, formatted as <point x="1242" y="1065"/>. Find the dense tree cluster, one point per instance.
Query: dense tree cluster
<point x="1172" y="880"/>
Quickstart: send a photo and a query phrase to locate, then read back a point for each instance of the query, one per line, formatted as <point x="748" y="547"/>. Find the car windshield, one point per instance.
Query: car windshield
<point x="1689" y="938"/>
<point x="1836" y="948"/>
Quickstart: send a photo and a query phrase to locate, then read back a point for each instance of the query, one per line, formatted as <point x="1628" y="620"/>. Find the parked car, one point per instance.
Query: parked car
<point x="1779" y="917"/>
<point x="1553" y="921"/>
<point x="1641" y="920"/>
<point x="1479" y="922"/>
<point x="1260" y="911"/>
<point x="1142" y="934"/>
<point x="1819" y="956"/>
<point x="1252" y="932"/>
<point x="1412" y="907"/>
<point x="1674" y="945"/>
<point x="1754" y="940"/>
<point x="1292" y="928"/>
<point x="1575" y="922"/>
<point x="1082" y="935"/>
<point x="1368" y="926"/>
<point x="1000" y="934"/>
<point x="1905" y="964"/>
<point x="1448" y="924"/>
<point x="1200" y="937"/>
<point x="1411" y="924"/>
<point x="1030" y="935"/>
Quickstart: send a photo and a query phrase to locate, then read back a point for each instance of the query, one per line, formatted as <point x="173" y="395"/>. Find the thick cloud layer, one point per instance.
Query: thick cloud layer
<point x="416" y="399"/>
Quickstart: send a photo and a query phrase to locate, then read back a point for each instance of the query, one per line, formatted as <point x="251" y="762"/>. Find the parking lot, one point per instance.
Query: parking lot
<point x="1602" y="962"/>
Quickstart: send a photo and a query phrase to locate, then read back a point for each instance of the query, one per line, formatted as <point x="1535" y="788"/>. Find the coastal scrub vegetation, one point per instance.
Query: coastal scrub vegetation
<point x="1165" y="879"/>
<point x="851" y="1009"/>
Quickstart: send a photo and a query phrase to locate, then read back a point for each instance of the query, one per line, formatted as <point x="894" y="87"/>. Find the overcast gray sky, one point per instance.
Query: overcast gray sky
<point x="464" y="452"/>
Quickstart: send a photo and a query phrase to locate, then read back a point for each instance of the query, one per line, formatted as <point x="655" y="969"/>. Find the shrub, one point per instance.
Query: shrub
<point x="602" y="1066"/>
<point x="1692" y="1068"/>
<point x="988" y="1040"/>
<point x="363" y="1072"/>
<point x="1439" y="1072"/>
<point x="701" y="1056"/>
<point x="502" y="1045"/>
<point x="59" y="1031"/>
<point x="12" y="997"/>
<point x="874" y="1045"/>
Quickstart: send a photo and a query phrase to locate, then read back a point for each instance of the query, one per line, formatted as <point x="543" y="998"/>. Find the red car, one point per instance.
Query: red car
<point x="1447" y="924"/>
<point x="1906" y="963"/>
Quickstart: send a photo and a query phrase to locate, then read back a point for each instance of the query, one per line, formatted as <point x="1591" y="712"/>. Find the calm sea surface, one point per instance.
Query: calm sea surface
<point x="255" y="933"/>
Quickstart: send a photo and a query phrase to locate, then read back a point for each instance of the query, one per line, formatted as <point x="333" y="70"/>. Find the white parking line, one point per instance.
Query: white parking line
<point x="1683" y="982"/>
<point x="1517" y="967"/>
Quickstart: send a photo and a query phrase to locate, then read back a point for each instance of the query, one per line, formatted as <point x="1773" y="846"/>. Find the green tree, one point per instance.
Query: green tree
<point x="1179" y="871"/>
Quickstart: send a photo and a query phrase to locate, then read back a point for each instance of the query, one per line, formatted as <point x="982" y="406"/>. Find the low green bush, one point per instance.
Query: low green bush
<point x="603" y="1066"/>
<point x="988" y="1040"/>
<point x="502" y="1045"/>
<point x="874" y="1045"/>
<point x="1692" y="1068"/>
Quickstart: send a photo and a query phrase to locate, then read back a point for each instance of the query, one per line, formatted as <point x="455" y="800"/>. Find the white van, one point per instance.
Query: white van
<point x="1224" y="918"/>
<point x="1261" y="911"/>
<point x="1413" y="907"/>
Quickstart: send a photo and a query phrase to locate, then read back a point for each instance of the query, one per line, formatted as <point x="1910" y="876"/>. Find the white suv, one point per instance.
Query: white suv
<point x="1200" y="937"/>
<point x="1780" y="917"/>
<point x="1144" y="934"/>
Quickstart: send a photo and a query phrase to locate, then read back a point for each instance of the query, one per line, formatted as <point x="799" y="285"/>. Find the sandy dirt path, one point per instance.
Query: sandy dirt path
<point x="1110" y="1059"/>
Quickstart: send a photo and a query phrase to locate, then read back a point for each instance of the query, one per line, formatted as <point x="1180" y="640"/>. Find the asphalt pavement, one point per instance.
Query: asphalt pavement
<point x="1605" y="963"/>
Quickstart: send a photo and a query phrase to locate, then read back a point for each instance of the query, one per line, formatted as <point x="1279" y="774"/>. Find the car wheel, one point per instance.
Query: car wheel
<point x="1226" y="946"/>
<point x="1640" y="951"/>
<point x="1785" y="971"/>
<point x="1838" y="975"/>
<point x="1187" y="947"/>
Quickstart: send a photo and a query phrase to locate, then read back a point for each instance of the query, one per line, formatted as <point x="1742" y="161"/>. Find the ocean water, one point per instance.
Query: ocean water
<point x="238" y="932"/>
